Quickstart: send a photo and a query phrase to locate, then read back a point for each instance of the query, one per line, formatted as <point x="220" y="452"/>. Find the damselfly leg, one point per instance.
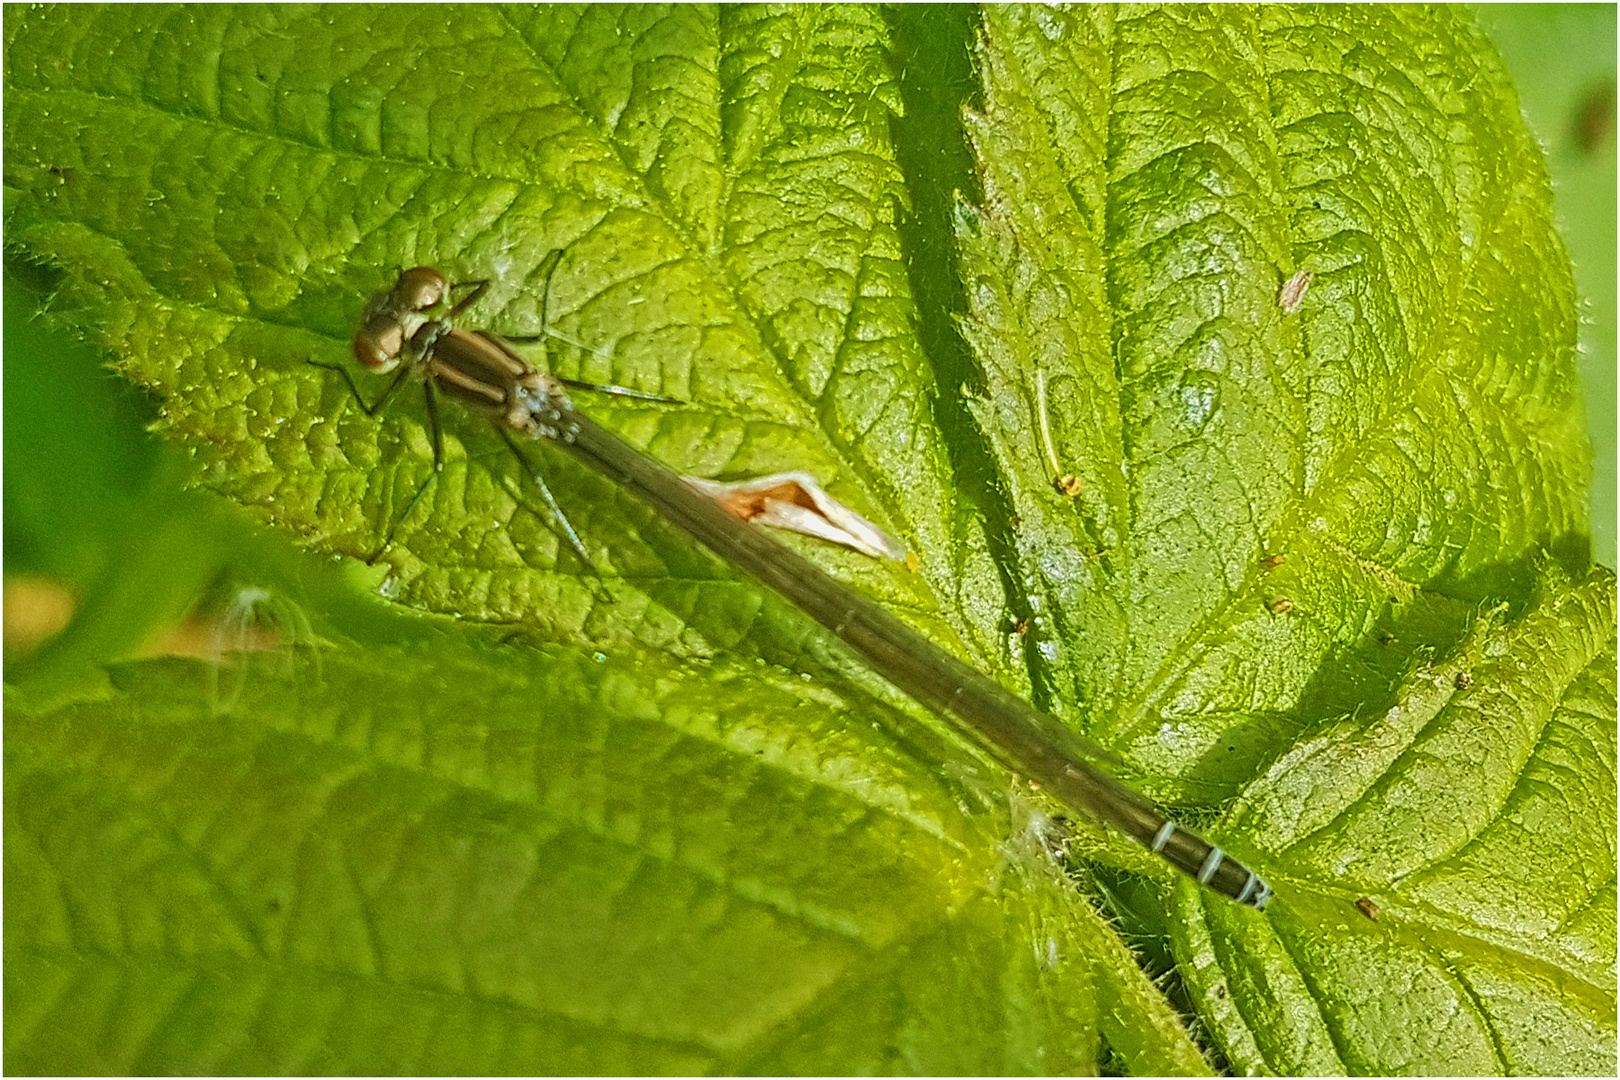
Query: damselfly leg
<point x="375" y="408"/>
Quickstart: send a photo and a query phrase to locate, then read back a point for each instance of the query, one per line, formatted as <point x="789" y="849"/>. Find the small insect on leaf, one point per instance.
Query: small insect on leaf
<point x="1068" y="484"/>
<point x="1367" y="908"/>
<point x="1281" y="605"/>
<point x="1293" y="291"/>
<point x="1464" y="680"/>
<point x="1271" y="562"/>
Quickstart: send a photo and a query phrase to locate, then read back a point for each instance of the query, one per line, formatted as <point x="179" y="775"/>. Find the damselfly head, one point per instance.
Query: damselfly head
<point x="379" y="341"/>
<point x="391" y="317"/>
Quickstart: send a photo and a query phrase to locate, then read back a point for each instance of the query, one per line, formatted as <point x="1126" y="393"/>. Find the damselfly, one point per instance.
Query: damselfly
<point x="399" y="330"/>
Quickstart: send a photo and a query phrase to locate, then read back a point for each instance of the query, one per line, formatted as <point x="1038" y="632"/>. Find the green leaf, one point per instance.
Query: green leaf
<point x="608" y="863"/>
<point x="1473" y="821"/>
<point x="661" y="825"/>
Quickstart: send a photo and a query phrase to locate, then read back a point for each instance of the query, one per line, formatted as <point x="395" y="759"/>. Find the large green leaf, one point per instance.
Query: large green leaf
<point x="1323" y="587"/>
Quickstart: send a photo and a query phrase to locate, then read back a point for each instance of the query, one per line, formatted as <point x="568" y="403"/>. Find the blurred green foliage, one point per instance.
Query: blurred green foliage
<point x="1562" y="56"/>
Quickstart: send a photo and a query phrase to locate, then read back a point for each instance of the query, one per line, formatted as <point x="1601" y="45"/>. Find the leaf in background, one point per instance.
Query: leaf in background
<point x="628" y="861"/>
<point x="1476" y="814"/>
<point x="1409" y="441"/>
<point x="1284" y="516"/>
<point x="609" y="865"/>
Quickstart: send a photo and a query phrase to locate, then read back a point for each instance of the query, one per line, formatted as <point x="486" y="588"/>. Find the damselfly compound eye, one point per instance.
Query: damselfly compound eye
<point x="378" y="343"/>
<point x="421" y="287"/>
